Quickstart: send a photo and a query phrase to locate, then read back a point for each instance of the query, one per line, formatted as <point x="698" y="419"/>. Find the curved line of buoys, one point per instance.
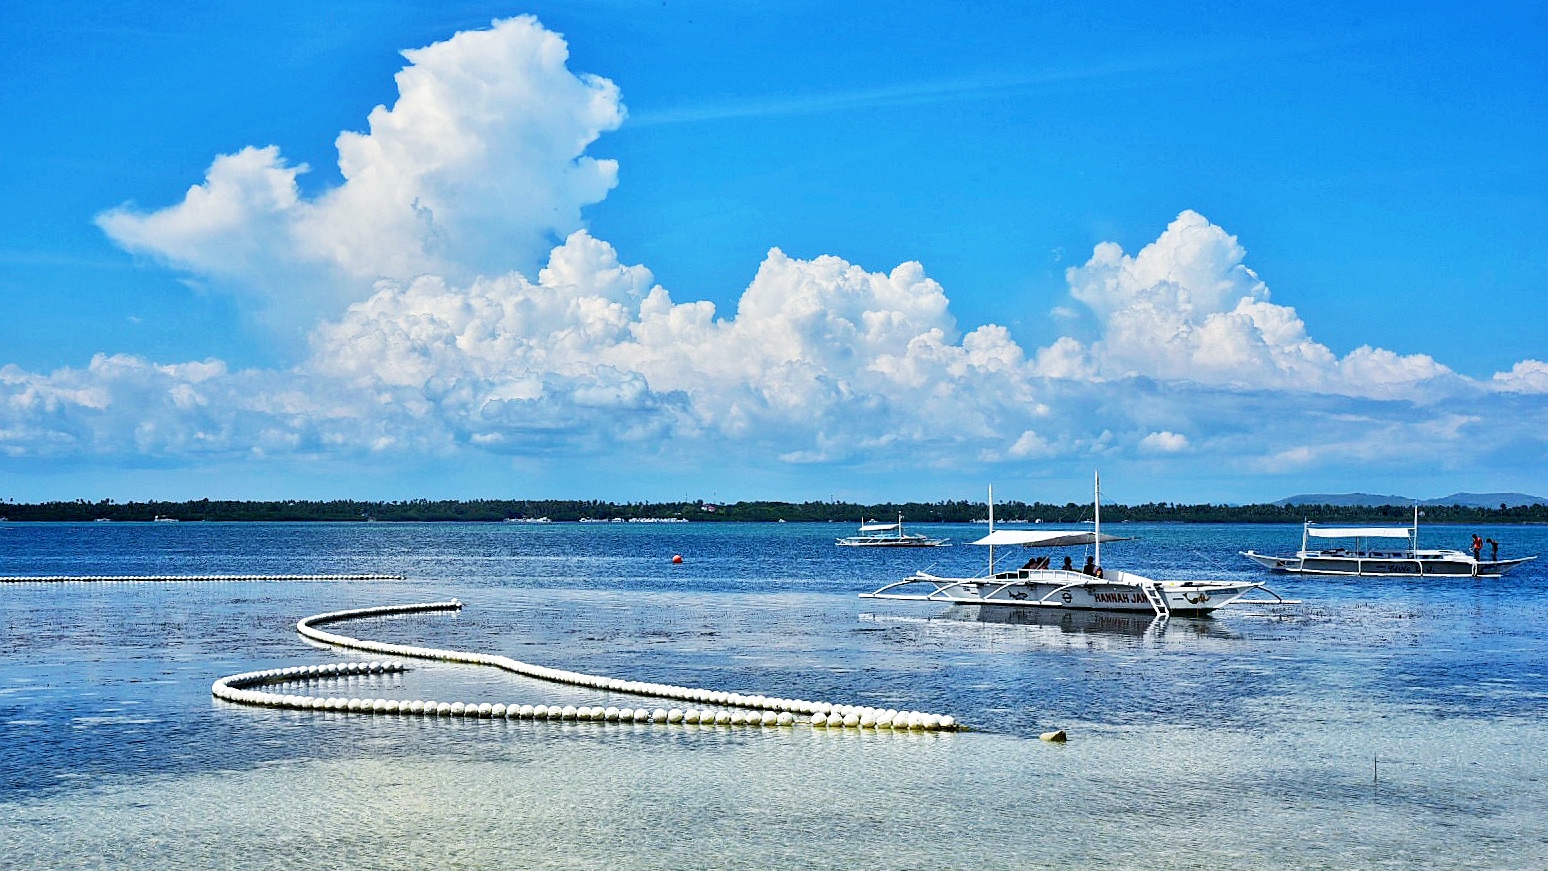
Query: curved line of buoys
<point x="746" y="710"/>
<point x="58" y="579"/>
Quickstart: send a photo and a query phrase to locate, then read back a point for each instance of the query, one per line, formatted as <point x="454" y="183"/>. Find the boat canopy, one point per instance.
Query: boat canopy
<point x="1359" y="531"/>
<point x="878" y="527"/>
<point x="1046" y="537"/>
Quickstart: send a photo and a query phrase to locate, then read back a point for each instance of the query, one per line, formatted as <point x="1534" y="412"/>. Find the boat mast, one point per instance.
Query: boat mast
<point x="1414" y="543"/>
<point x="991" y="530"/>
<point x="1096" y="504"/>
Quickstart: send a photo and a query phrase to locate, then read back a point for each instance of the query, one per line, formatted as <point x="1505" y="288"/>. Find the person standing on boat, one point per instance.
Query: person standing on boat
<point x="1494" y="550"/>
<point x="1477" y="547"/>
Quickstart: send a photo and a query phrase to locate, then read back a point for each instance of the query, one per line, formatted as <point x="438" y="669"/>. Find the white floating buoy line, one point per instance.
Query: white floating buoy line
<point x="720" y="708"/>
<point x="61" y="579"/>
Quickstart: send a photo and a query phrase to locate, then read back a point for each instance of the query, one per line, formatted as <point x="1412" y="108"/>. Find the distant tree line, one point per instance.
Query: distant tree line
<point x="562" y="510"/>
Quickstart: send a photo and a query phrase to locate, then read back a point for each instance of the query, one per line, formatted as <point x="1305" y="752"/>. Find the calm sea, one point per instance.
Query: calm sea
<point x="1383" y="723"/>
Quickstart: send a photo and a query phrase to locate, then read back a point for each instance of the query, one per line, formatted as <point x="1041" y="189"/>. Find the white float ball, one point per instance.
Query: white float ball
<point x="568" y="712"/>
<point x="674" y="716"/>
<point x="851" y="720"/>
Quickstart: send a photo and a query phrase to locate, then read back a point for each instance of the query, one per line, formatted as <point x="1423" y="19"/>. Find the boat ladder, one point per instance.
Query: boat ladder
<point x="1157" y="600"/>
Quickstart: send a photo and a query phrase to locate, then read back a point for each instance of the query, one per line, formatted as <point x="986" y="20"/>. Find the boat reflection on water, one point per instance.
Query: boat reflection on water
<point x="1116" y="624"/>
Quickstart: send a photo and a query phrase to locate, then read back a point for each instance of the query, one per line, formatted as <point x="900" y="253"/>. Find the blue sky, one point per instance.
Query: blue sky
<point x="1221" y="253"/>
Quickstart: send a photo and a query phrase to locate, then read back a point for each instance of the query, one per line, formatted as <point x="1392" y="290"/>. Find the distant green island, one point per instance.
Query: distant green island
<point x="563" y="510"/>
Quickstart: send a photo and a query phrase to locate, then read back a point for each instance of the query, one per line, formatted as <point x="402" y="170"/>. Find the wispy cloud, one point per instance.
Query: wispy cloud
<point x="983" y="86"/>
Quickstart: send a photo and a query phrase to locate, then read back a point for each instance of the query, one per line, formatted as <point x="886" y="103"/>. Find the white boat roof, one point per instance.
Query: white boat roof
<point x="877" y="527"/>
<point x="1359" y="531"/>
<point x="1045" y="537"/>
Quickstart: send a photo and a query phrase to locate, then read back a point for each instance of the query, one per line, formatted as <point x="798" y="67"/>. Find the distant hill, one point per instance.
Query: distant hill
<point x="1474" y="500"/>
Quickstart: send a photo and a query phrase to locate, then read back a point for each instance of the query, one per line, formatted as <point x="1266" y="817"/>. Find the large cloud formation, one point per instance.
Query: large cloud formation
<point x="476" y="168"/>
<point x="434" y="340"/>
<point x="1187" y="307"/>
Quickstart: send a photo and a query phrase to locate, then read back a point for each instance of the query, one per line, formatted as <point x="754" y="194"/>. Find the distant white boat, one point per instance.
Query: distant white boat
<point x="1093" y="587"/>
<point x="873" y="534"/>
<point x="1366" y="559"/>
<point x="527" y="520"/>
<point x="159" y="519"/>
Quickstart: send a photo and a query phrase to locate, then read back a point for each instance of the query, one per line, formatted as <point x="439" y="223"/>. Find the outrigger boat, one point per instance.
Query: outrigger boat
<point x="1038" y="585"/>
<point x="889" y="535"/>
<point x="1367" y="560"/>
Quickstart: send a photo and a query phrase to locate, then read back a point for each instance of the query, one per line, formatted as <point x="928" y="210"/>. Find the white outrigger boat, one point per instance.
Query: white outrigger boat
<point x="889" y="535"/>
<point x="1368" y="560"/>
<point x="1038" y="585"/>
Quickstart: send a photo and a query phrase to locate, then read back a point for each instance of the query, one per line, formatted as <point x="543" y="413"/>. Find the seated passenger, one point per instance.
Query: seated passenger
<point x="1068" y="566"/>
<point x="1090" y="567"/>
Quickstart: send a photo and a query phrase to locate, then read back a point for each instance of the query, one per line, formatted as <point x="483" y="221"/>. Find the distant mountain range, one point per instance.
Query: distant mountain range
<point x="1474" y="500"/>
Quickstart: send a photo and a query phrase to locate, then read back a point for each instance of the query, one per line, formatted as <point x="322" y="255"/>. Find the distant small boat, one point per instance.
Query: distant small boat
<point x="873" y="534"/>
<point x="1373" y="560"/>
<point x="159" y="519"/>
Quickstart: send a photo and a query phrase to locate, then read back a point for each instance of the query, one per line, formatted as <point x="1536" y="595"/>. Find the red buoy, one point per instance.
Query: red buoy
<point x="677" y="559"/>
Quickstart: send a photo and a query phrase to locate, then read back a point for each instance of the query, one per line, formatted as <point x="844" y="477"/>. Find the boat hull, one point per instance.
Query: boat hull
<point x="1437" y="564"/>
<point x="1121" y="591"/>
<point x="891" y="542"/>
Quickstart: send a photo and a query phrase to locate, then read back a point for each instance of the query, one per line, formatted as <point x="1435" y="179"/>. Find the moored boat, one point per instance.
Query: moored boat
<point x="1366" y="559"/>
<point x="874" y="534"/>
<point x="1038" y="584"/>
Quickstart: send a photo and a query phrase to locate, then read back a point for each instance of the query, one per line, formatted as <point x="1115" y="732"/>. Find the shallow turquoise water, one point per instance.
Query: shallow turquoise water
<point x="1247" y="740"/>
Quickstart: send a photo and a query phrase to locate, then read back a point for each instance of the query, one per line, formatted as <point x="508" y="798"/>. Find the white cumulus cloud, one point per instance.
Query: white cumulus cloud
<point x="1164" y="442"/>
<point x="477" y="168"/>
<point x="1187" y="307"/>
